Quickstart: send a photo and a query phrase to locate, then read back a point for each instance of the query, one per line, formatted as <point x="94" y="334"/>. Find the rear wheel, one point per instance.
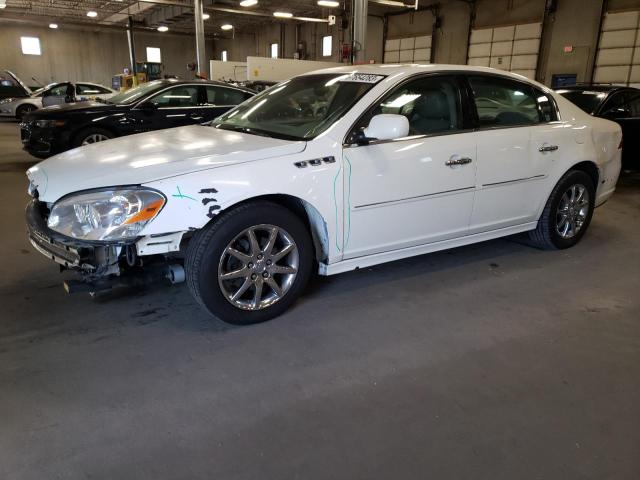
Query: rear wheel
<point x="251" y="264"/>
<point x="22" y="110"/>
<point x="568" y="212"/>
<point x="92" y="135"/>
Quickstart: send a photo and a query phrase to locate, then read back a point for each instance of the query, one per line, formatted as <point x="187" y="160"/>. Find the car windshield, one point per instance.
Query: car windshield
<point x="136" y="93"/>
<point x="300" y="108"/>
<point x="587" y="100"/>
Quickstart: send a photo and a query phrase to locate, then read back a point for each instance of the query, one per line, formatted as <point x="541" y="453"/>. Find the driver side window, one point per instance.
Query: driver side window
<point x="176" y="97"/>
<point x="431" y="104"/>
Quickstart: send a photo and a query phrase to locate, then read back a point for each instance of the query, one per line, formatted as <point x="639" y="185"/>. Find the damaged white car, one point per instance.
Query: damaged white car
<point x="329" y="171"/>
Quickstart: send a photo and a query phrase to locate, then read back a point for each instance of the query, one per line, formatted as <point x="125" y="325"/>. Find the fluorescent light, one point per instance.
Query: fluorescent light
<point x="3" y="5"/>
<point x="92" y="14"/>
<point x="206" y="16"/>
<point x="311" y="19"/>
<point x="227" y="26"/>
<point x="53" y="25"/>
<point x="282" y="14"/>
<point x="248" y="3"/>
<point x="163" y="28"/>
<point x="328" y="3"/>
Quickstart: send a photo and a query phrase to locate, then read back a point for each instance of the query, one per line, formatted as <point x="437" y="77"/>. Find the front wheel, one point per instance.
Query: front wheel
<point x="568" y="212"/>
<point x="92" y="135"/>
<point x="251" y="264"/>
<point x="25" y="109"/>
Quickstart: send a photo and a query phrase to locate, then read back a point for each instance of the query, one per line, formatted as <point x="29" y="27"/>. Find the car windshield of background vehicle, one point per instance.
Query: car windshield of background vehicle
<point x="300" y="108"/>
<point x="136" y="93"/>
<point x="585" y="99"/>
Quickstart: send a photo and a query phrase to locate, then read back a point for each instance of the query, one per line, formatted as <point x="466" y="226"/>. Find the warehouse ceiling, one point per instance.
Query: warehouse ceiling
<point x="177" y="15"/>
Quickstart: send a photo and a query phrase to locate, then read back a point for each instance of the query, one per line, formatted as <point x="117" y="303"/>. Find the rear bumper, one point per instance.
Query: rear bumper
<point x="94" y="259"/>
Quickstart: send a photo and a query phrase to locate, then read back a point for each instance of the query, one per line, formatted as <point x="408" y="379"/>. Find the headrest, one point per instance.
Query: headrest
<point x="431" y="104"/>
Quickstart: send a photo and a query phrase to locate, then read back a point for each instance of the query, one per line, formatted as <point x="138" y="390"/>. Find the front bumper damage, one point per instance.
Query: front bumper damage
<point x="100" y="265"/>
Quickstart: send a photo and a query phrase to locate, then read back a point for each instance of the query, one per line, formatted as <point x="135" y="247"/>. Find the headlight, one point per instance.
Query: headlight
<point x="49" y="123"/>
<point x="6" y="100"/>
<point x="115" y="214"/>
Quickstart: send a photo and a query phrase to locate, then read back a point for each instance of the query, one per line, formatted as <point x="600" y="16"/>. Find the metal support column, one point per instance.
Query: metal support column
<point x="200" y="47"/>
<point x="359" y="43"/>
<point x="132" y="47"/>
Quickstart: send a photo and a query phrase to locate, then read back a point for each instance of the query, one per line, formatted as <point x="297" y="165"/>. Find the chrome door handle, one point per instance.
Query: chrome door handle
<point x="548" y="148"/>
<point x="456" y="160"/>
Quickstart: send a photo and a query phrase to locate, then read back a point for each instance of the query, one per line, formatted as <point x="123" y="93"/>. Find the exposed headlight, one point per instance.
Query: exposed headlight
<point x="50" y="123"/>
<point x="6" y="100"/>
<point x="116" y="214"/>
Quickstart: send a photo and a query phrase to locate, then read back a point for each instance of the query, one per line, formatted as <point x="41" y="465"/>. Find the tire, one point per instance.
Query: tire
<point x="91" y="135"/>
<point x="208" y="258"/>
<point x="549" y="232"/>
<point x="22" y="110"/>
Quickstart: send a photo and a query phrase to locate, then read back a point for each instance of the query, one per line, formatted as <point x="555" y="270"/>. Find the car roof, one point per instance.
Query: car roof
<point x="173" y="81"/>
<point x="595" y="87"/>
<point x="408" y="69"/>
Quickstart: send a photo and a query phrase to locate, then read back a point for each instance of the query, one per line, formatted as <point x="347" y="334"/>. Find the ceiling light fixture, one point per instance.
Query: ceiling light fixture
<point x="53" y="25"/>
<point x="92" y="14"/>
<point x="227" y="26"/>
<point x="328" y="3"/>
<point x="282" y="14"/>
<point x="248" y="3"/>
<point x="206" y="16"/>
<point x="311" y="19"/>
<point x="163" y="28"/>
<point x="3" y="5"/>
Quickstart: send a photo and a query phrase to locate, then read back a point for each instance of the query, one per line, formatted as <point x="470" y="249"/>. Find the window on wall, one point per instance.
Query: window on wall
<point x="30" y="45"/>
<point x="327" y="46"/>
<point x="223" y="56"/>
<point x="153" y="55"/>
<point x="273" y="50"/>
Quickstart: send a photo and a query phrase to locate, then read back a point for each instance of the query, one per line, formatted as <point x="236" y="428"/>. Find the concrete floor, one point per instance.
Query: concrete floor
<point x="494" y="361"/>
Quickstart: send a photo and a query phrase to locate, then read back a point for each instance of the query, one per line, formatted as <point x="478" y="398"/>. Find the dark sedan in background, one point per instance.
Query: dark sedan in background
<point x="151" y="106"/>
<point x="613" y="102"/>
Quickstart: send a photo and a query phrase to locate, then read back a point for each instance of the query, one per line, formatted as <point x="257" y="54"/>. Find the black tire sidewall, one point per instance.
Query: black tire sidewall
<point x="572" y="178"/>
<point x="214" y="243"/>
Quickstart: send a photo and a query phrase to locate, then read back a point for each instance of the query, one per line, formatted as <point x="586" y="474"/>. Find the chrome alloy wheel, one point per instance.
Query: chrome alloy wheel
<point x="94" y="138"/>
<point x="572" y="212"/>
<point x="258" y="267"/>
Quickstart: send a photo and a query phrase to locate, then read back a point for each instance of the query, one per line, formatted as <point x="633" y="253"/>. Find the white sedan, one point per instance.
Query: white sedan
<point x="333" y="170"/>
<point x="19" y="107"/>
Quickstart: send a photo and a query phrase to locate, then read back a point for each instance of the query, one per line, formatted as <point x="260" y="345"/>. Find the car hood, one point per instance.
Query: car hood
<point x="146" y="157"/>
<point x="70" y="108"/>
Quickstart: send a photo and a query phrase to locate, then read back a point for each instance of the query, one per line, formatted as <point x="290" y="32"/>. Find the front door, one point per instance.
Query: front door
<point x="413" y="190"/>
<point x="174" y="107"/>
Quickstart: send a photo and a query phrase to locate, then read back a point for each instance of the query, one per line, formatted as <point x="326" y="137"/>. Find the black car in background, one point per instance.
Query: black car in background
<point x="617" y="103"/>
<point x="151" y="106"/>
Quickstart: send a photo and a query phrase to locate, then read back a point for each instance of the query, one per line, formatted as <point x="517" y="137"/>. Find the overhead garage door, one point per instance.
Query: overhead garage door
<point x="408" y="50"/>
<point x="513" y="48"/>
<point x="618" y="58"/>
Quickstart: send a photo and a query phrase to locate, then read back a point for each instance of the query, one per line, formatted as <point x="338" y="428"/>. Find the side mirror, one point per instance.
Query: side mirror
<point x="149" y="107"/>
<point x="387" y="126"/>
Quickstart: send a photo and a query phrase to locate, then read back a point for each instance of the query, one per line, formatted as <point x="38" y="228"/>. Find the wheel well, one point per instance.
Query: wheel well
<point x="590" y="169"/>
<point x="25" y="105"/>
<point x="307" y="213"/>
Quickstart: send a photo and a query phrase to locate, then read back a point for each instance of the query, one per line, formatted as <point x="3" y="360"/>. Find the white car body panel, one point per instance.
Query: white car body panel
<point x="10" y="109"/>
<point x="372" y="204"/>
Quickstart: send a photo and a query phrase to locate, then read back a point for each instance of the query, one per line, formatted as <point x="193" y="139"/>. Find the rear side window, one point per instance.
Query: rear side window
<point x="86" y="89"/>
<point x="504" y="103"/>
<point x="222" y="96"/>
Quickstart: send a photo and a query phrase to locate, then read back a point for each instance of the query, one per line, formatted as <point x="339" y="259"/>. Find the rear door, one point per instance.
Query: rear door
<point x="624" y="108"/>
<point x="517" y="140"/>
